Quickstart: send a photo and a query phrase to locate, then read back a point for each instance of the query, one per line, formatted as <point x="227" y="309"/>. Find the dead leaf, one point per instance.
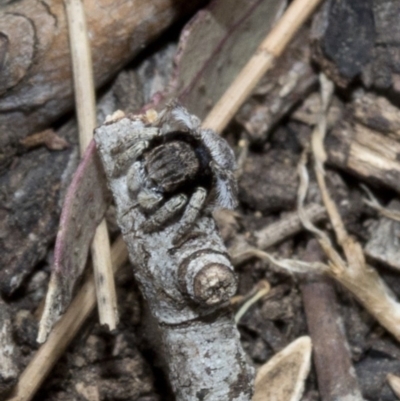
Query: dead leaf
<point x="282" y="377"/>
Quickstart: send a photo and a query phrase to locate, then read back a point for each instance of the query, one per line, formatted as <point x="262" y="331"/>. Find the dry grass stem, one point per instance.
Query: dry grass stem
<point x="241" y="251"/>
<point x="290" y="265"/>
<point x="81" y="58"/>
<point x="353" y="273"/>
<point x="283" y="377"/>
<point x="271" y="48"/>
<point x="64" y="331"/>
<point x="374" y="204"/>
<point x="262" y="291"/>
<point x="394" y="382"/>
<point x="86" y="113"/>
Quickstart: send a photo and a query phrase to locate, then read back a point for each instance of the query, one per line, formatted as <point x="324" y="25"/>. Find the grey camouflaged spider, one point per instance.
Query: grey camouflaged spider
<point x="176" y="166"/>
<point x="166" y="175"/>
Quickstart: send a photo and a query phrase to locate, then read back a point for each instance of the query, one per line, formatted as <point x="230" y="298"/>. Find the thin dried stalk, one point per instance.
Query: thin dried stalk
<point x="263" y="290"/>
<point x="86" y="113"/>
<point x="264" y="58"/>
<point x="290" y="265"/>
<point x="64" y="331"/>
<point x="353" y="273"/>
<point x="241" y="251"/>
<point x="394" y="382"/>
<point x="374" y="204"/>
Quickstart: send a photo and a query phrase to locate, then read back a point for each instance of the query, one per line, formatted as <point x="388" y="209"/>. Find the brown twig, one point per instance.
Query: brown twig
<point x="394" y="382"/>
<point x="271" y="48"/>
<point x="241" y="251"/>
<point x="86" y="113"/>
<point x="264" y="288"/>
<point x="332" y="357"/>
<point x="353" y="273"/>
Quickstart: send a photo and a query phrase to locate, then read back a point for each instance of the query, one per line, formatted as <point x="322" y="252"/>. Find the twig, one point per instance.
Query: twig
<point x="374" y="204"/>
<point x="353" y="273"/>
<point x="263" y="290"/>
<point x="394" y="382"/>
<point x="335" y="372"/>
<point x="271" y="48"/>
<point x="287" y="226"/>
<point x="241" y="251"/>
<point x="64" y="331"/>
<point x="86" y="113"/>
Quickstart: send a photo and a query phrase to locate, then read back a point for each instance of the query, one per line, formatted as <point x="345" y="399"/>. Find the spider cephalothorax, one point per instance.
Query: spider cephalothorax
<point x="174" y="165"/>
<point x="177" y="162"/>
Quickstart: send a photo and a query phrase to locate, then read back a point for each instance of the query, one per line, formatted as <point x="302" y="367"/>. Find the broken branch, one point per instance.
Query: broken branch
<point x="271" y="48"/>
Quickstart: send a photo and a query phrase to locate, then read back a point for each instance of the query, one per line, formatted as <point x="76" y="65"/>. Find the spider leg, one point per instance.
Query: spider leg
<point x="192" y="211"/>
<point x="135" y="178"/>
<point x="149" y="199"/>
<point x="174" y="117"/>
<point x="128" y="150"/>
<point x="125" y="159"/>
<point x="170" y="209"/>
<point x="122" y="144"/>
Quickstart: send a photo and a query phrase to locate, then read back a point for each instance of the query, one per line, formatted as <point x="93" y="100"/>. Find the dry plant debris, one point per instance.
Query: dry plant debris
<point x="179" y="259"/>
<point x="361" y="145"/>
<point x="394" y="382"/>
<point x="383" y="245"/>
<point x="36" y="84"/>
<point x="325" y="324"/>
<point x="291" y="27"/>
<point x="282" y="378"/>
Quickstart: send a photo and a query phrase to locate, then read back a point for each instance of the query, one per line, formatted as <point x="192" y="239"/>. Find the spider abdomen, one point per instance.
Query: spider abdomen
<point x="172" y="165"/>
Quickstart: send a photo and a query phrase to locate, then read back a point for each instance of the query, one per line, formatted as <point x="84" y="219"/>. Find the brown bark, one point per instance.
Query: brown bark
<point x="35" y="66"/>
<point x="366" y="153"/>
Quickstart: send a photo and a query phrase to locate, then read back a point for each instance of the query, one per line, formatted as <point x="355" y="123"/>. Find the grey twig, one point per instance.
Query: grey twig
<point x="180" y="261"/>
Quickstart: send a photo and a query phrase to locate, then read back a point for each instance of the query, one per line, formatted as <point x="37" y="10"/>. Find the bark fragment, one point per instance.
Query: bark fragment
<point x="383" y="245"/>
<point x="359" y="39"/>
<point x="365" y="153"/>
<point x="286" y="84"/>
<point x="215" y="46"/>
<point x="36" y="84"/>
<point x="29" y="207"/>
<point x="84" y="207"/>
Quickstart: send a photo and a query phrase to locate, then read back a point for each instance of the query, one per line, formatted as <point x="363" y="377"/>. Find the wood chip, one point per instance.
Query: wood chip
<point x="282" y="378"/>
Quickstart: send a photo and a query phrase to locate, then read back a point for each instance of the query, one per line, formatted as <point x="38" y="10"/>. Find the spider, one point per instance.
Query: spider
<point x="173" y="166"/>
